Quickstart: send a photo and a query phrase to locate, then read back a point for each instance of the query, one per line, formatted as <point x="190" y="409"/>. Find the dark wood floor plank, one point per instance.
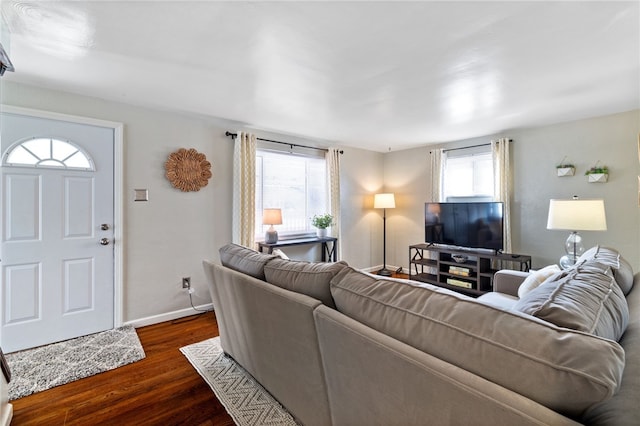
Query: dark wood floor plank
<point x="162" y="389"/>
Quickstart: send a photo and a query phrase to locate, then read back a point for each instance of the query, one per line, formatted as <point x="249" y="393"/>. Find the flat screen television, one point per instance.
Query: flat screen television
<point x="469" y="225"/>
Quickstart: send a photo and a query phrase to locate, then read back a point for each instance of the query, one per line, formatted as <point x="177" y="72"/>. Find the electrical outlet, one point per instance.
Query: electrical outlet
<point x="186" y="282"/>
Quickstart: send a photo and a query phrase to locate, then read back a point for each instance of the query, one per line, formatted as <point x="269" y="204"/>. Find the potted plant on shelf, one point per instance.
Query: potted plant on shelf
<point x="566" y="169"/>
<point x="322" y="222"/>
<point x="598" y="174"/>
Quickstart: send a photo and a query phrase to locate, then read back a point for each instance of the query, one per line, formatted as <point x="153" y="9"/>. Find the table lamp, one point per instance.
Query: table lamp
<point x="271" y="217"/>
<point x="576" y="215"/>
<point x="384" y="202"/>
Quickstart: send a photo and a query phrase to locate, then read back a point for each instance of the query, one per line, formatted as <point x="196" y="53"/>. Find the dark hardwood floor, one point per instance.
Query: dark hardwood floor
<point x="162" y="389"/>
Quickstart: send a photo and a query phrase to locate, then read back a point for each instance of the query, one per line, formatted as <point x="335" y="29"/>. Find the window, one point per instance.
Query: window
<point x="294" y="183"/>
<point x="46" y="152"/>
<point x="468" y="175"/>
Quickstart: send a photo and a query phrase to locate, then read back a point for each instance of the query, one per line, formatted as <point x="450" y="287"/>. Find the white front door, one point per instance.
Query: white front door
<point x="56" y="249"/>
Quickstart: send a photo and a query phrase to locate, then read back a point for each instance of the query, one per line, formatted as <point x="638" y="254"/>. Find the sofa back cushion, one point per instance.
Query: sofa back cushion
<point x="585" y="298"/>
<point x="623" y="408"/>
<point x="245" y="260"/>
<point x="307" y="278"/>
<point x="565" y="370"/>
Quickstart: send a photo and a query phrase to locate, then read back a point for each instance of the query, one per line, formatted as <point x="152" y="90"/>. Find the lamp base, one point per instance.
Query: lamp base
<point x="574" y="249"/>
<point x="567" y="261"/>
<point x="384" y="272"/>
<point x="271" y="237"/>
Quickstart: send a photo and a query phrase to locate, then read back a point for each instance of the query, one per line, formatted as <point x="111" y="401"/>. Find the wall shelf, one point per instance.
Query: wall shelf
<point x="566" y="171"/>
<point x="598" y="177"/>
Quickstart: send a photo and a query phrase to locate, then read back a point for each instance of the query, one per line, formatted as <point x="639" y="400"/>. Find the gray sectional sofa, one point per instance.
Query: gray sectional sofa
<point x="337" y="346"/>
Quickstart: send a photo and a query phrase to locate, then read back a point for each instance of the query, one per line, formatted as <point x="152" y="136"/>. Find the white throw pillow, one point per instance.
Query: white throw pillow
<point x="280" y="254"/>
<point x="536" y="278"/>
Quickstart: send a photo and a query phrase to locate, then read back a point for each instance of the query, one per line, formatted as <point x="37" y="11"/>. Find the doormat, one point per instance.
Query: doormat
<point x="37" y="369"/>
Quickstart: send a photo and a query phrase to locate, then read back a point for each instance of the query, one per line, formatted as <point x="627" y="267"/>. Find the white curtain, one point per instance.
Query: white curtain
<point x="502" y="182"/>
<point x="333" y="189"/>
<point x="437" y="156"/>
<point x="244" y="189"/>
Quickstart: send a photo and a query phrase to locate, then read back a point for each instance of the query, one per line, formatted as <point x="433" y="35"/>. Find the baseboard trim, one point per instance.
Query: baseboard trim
<point x="168" y="316"/>
<point x="374" y="269"/>
<point x="7" y="415"/>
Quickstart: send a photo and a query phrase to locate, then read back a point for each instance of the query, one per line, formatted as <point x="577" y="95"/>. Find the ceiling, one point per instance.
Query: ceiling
<point x="376" y="75"/>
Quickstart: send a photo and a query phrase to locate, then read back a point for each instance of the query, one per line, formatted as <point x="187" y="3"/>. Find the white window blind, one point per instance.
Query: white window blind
<point x="468" y="176"/>
<point x="294" y="183"/>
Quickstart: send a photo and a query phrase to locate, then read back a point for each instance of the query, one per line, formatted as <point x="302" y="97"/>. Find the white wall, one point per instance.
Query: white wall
<point x="536" y="152"/>
<point x="167" y="237"/>
<point x="361" y="177"/>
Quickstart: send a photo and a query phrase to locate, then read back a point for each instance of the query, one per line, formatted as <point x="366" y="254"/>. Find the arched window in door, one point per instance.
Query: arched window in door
<point x="47" y="152"/>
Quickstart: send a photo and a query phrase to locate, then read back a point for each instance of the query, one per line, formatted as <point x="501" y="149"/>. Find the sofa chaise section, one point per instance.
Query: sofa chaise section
<point x="271" y="333"/>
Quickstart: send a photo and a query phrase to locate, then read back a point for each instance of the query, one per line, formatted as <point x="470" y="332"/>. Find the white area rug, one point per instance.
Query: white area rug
<point x="246" y="401"/>
<point x="38" y="369"/>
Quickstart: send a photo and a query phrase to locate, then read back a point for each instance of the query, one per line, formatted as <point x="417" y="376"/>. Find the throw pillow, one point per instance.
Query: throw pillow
<point x="280" y="254"/>
<point x="622" y="270"/>
<point x="585" y="298"/>
<point x="536" y="278"/>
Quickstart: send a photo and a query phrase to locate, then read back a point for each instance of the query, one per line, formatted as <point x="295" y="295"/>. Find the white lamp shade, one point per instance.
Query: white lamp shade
<point x="384" y="201"/>
<point x="272" y="217"/>
<point x="577" y="215"/>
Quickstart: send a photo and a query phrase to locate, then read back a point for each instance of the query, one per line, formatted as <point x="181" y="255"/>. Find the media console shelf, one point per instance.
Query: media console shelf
<point x="435" y="265"/>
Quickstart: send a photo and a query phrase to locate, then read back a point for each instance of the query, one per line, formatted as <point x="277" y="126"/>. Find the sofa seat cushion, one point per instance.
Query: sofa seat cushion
<point x="245" y="260"/>
<point x="565" y="370"/>
<point x="307" y="278"/>
<point x="585" y="298"/>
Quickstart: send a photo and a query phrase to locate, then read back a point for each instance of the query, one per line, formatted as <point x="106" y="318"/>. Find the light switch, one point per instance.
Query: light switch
<point x="141" y="195"/>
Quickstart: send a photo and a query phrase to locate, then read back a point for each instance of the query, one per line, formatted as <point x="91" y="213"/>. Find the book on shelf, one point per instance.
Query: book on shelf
<point x="458" y="270"/>
<point x="459" y="283"/>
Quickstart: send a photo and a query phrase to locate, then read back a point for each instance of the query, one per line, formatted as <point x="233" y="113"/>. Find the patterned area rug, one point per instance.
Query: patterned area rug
<point x="38" y="369"/>
<point x="246" y="401"/>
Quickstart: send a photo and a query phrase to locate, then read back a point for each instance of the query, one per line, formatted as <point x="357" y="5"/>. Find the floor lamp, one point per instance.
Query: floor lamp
<point x="575" y="215"/>
<point x="384" y="202"/>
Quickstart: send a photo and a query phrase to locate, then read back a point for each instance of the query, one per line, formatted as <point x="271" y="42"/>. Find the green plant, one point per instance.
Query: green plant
<point x="564" y="165"/>
<point x="322" y="221"/>
<point x="598" y="169"/>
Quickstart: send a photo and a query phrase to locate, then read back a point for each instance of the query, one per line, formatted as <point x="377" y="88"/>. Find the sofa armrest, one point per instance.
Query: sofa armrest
<point x="507" y="281"/>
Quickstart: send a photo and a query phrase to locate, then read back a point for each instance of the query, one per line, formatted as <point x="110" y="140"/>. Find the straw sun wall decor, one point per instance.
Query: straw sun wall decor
<point x="188" y="170"/>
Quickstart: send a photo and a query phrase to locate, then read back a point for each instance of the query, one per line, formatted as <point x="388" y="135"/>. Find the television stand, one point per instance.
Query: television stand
<point x="474" y="276"/>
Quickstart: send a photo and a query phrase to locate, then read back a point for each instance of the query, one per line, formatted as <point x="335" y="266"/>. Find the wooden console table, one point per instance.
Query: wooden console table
<point x="328" y="251"/>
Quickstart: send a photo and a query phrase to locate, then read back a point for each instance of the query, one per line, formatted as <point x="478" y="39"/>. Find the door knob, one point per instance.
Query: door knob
<point x="104" y="226"/>
<point x="104" y="241"/>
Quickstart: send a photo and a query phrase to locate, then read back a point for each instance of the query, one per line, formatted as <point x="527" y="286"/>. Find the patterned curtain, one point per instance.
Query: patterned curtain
<point x="244" y="189"/>
<point x="437" y="157"/>
<point x="502" y="182"/>
<point x="333" y="187"/>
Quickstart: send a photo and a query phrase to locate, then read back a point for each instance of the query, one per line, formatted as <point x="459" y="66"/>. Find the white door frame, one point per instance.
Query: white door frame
<point x="118" y="191"/>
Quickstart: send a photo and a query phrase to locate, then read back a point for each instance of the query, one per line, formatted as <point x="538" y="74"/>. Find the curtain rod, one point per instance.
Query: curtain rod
<point x="468" y="147"/>
<point x="233" y="136"/>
